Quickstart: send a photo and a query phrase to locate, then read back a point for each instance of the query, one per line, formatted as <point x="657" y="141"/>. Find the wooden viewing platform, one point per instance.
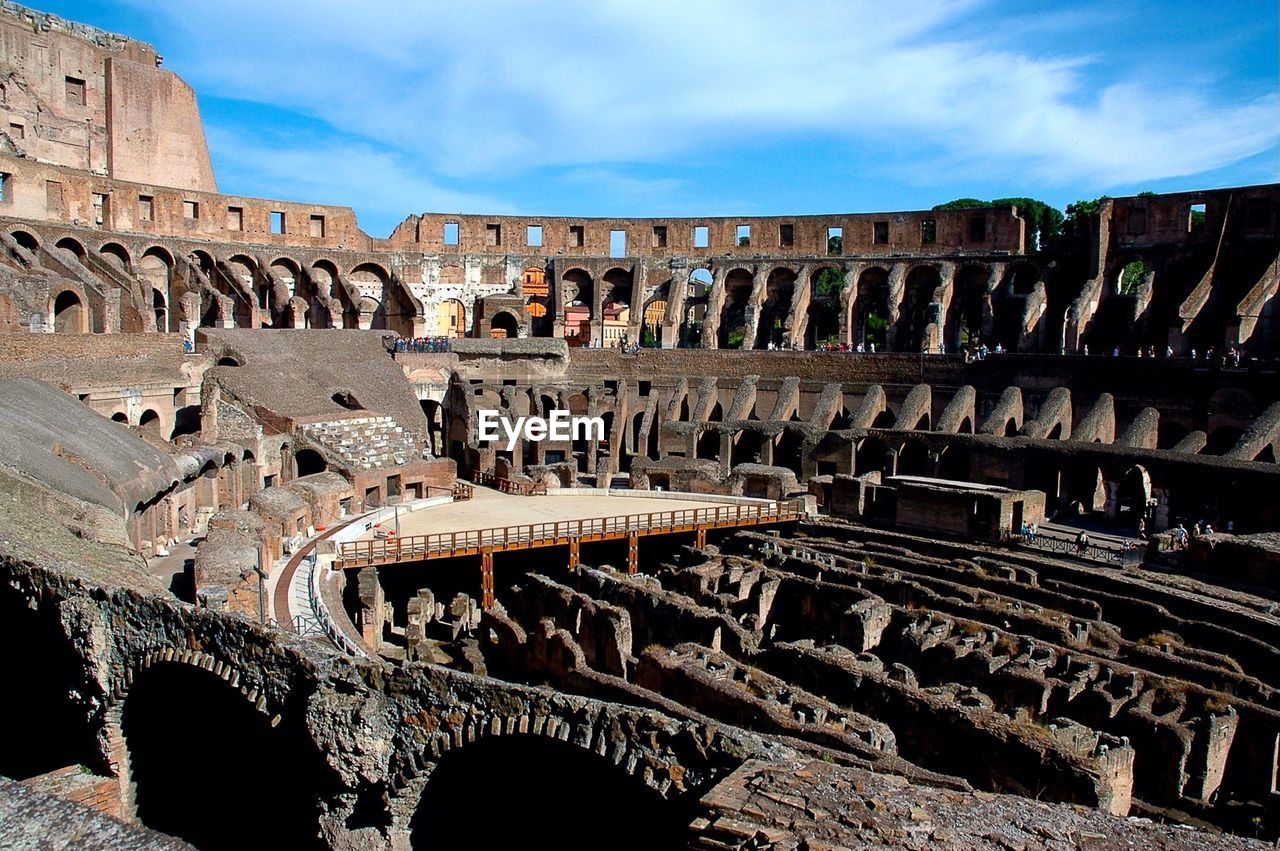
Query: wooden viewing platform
<point x="411" y="548"/>
<point x="380" y="552"/>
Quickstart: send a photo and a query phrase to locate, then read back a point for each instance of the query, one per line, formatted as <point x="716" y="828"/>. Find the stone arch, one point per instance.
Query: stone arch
<point x="873" y="455"/>
<point x="504" y="325"/>
<point x="913" y="459"/>
<point x="70" y="316"/>
<point x="26" y="239"/>
<point x="779" y="290"/>
<point x="1170" y="433"/>
<point x="577" y="300"/>
<point x="617" y="284"/>
<point x="451" y="318"/>
<point x="288" y="271"/>
<point x="969" y="312"/>
<point x="156" y="268"/>
<point x="739" y="284"/>
<point x="73" y="245"/>
<point x="117" y="255"/>
<point x="154" y="710"/>
<point x="309" y="462"/>
<point x="920" y="284"/>
<point x="869" y="309"/>
<point x="537" y="295"/>
<point x="150" y="423"/>
<point x="825" y="285"/>
<point x="1223" y="439"/>
<point x="45" y="720"/>
<point x="600" y="784"/>
<point x="1132" y="494"/>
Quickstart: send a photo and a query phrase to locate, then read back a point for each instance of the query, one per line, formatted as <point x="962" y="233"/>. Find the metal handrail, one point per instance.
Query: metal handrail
<point x="1093" y="552"/>
<point x="315" y="600"/>
<point x="417" y="547"/>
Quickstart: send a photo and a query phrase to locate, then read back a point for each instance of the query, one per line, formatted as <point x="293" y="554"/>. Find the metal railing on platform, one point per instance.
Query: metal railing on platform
<point x="1127" y="556"/>
<point x="530" y="535"/>
<point x="509" y="485"/>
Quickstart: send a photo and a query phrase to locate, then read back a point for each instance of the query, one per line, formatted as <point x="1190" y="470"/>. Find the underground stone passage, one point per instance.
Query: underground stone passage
<point x="550" y="795"/>
<point x="188" y="785"/>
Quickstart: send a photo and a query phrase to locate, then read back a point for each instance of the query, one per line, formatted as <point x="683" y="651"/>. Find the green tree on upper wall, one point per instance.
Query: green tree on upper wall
<point x="1043" y="221"/>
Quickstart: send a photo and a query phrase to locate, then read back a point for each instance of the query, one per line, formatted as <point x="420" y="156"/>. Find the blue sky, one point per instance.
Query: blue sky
<point x="709" y="107"/>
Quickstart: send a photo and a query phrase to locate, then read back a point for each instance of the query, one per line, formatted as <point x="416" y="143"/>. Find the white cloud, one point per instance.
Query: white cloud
<point x="486" y="90"/>
<point x="380" y="183"/>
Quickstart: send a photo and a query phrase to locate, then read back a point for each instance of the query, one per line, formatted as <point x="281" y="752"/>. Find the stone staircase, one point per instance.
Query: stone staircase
<point x="364" y="443"/>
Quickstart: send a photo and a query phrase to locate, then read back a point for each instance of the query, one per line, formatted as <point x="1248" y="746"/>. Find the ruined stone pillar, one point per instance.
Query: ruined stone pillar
<point x="797" y="320"/>
<point x="751" y="317"/>
<point x="715" y="304"/>
<point x="897" y="291"/>
<point x="848" y="298"/>
<point x="677" y="292"/>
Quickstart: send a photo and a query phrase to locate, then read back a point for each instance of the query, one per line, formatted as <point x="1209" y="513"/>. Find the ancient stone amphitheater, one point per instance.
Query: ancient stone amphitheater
<point x="262" y="582"/>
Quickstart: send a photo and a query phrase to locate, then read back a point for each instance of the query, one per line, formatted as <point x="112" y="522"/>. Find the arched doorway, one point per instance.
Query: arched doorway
<point x="537" y="295"/>
<point x="451" y="319"/>
<point x="738" y="284"/>
<point x="535" y="815"/>
<point x="68" y="313"/>
<point x="309" y="462"/>
<point x="504" y="326"/>
<point x="191" y="798"/>
<point x="921" y="283"/>
<point x="778" y="292"/>
<point x="870" y="320"/>
<point x="968" y="309"/>
<point x="155" y="268"/>
<point x="577" y="294"/>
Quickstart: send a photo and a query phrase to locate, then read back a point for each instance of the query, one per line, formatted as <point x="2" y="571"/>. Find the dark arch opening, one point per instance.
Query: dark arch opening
<point x="347" y="400"/>
<point x="208" y="796"/>
<point x="186" y="420"/>
<point x="26" y="240"/>
<point x="229" y="361"/>
<point x="1170" y="434"/>
<point x="309" y="462"/>
<point x="1222" y="440"/>
<point x="150" y="422"/>
<point x="504" y="325"/>
<point x="71" y="245"/>
<point x="119" y="417"/>
<point x="610" y="808"/>
<point x="68" y="313"/>
<point x="913" y="460"/>
<point x="41" y="727"/>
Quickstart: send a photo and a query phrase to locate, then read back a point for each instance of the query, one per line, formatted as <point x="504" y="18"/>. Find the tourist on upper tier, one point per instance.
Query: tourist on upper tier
<point x="1086" y="350"/>
<point x="1115" y="353"/>
<point x="1168" y="351"/>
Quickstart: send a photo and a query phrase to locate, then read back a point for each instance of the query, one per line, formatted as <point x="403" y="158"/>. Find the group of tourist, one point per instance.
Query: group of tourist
<point x="832" y="346"/>
<point x="1228" y="358"/>
<point x="1182" y="536"/>
<point x="421" y="345"/>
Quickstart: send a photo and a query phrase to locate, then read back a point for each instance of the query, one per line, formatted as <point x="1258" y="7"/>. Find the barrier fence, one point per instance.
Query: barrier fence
<point x="1107" y="555"/>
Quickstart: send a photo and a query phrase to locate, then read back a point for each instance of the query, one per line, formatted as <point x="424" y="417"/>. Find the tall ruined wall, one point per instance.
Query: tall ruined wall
<point x="929" y="232"/>
<point x="91" y="100"/>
